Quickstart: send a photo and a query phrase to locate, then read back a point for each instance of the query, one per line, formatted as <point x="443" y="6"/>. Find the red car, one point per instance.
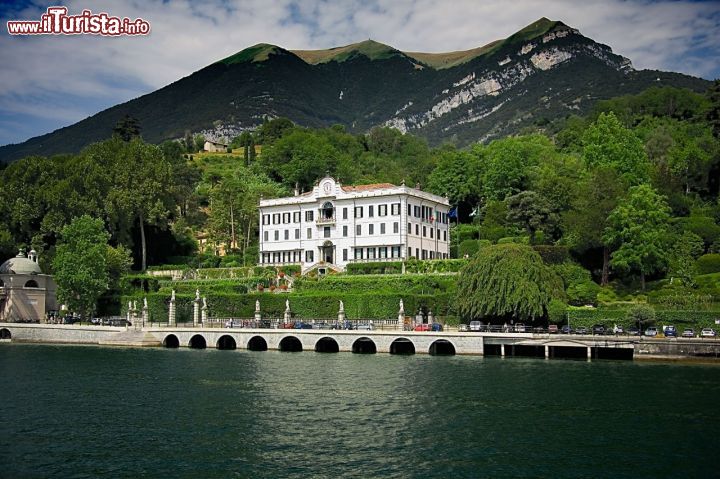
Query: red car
<point x="423" y="327"/>
<point x="287" y="325"/>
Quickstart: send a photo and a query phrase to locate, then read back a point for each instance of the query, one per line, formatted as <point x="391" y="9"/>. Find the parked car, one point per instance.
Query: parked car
<point x="520" y="328"/>
<point x="422" y="327"/>
<point x="598" y="329"/>
<point x="581" y="330"/>
<point x="566" y="329"/>
<point x="475" y="325"/>
<point x="365" y="327"/>
<point x="707" y="333"/>
<point x="436" y="327"/>
<point x="688" y="333"/>
<point x="287" y="325"/>
<point x="634" y="331"/>
<point x="553" y="329"/>
<point x="651" y="332"/>
<point x="301" y="325"/>
<point x="618" y="330"/>
<point x="670" y="331"/>
<point x="463" y="327"/>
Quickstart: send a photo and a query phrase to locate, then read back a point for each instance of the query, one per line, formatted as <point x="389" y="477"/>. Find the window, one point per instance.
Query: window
<point x="396" y="227"/>
<point x="344" y="254"/>
<point x="296" y="217"/>
<point x="309" y="256"/>
<point x="416" y="209"/>
<point x="344" y="231"/>
<point x="358" y="230"/>
<point x="409" y="209"/>
<point x="277" y="235"/>
<point x="395" y="209"/>
<point x="409" y="230"/>
<point x="409" y="253"/>
<point x="417" y="253"/>
<point x="286" y="218"/>
<point x="371" y="229"/>
<point x="358" y="253"/>
<point x="395" y="251"/>
<point x="276" y="257"/>
<point x="382" y="228"/>
<point x="424" y="231"/>
<point x="309" y="215"/>
<point x="358" y="212"/>
<point x="382" y="252"/>
<point x="265" y="236"/>
<point x="297" y="233"/>
<point x="344" y="213"/>
<point x="444" y="235"/>
<point x="382" y="210"/>
<point x="309" y="233"/>
<point x="437" y="232"/>
<point x="424" y="254"/>
<point x="417" y="230"/>
<point x="287" y="235"/>
<point x="371" y="253"/>
<point x="276" y="218"/>
<point x="266" y="219"/>
<point x="371" y="211"/>
<point x="431" y="231"/>
<point x="326" y="232"/>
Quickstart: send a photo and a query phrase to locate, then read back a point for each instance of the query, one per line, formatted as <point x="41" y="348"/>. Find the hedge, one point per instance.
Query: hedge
<point x="708" y="263"/>
<point x="681" y="319"/>
<point x="399" y="283"/>
<point x="305" y="306"/>
<point x="411" y="266"/>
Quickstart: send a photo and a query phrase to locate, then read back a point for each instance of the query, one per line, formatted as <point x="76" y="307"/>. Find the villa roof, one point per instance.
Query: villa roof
<point x="370" y="187"/>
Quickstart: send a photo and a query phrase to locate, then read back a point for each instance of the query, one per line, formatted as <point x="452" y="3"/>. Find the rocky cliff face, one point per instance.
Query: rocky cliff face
<point x="546" y="70"/>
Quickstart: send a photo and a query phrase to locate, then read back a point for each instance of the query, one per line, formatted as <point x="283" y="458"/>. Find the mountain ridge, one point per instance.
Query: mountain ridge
<point x="545" y="70"/>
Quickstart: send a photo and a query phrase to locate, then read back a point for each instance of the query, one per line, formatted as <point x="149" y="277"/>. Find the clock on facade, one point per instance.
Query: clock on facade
<point x="327" y="187"/>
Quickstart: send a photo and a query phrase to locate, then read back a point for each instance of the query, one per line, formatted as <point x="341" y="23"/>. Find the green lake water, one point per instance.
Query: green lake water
<point x="91" y="412"/>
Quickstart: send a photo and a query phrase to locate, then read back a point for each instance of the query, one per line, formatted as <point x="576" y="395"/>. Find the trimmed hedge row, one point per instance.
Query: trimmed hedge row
<point x="681" y="319"/>
<point x="305" y="306"/>
<point x="399" y="283"/>
<point x="411" y="266"/>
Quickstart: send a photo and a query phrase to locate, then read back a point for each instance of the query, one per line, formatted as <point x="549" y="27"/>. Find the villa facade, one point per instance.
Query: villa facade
<point x="334" y="225"/>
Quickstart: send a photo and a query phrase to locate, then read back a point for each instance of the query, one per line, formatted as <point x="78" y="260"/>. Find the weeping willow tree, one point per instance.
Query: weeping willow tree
<point x="507" y="281"/>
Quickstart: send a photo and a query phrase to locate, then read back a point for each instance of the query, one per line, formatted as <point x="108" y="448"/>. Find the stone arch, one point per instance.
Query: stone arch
<point x="32" y="284"/>
<point x="290" y="344"/>
<point x="327" y="345"/>
<point x="171" y="341"/>
<point x="5" y="333"/>
<point x="257" y="343"/>
<point x="364" y="345"/>
<point x="226" y="342"/>
<point x="402" y="346"/>
<point x="442" y="347"/>
<point x="198" y="342"/>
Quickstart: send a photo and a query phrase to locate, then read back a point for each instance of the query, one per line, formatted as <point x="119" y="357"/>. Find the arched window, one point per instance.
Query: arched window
<point x="31" y="284"/>
<point x="327" y="211"/>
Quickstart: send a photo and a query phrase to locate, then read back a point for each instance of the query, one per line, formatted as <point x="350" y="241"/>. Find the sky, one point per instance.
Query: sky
<point x="49" y="81"/>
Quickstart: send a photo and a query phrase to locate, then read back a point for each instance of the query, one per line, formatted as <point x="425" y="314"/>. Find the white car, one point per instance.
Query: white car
<point x="708" y="333"/>
<point x="475" y="325"/>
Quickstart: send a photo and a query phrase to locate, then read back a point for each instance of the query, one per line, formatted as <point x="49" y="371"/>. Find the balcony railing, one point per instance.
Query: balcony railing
<point x="325" y="221"/>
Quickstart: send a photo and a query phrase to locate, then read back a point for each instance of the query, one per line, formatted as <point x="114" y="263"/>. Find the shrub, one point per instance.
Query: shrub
<point x="708" y="263"/>
<point x="557" y="311"/>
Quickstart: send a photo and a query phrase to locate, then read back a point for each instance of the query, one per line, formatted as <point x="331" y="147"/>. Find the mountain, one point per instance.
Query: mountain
<point x="544" y="71"/>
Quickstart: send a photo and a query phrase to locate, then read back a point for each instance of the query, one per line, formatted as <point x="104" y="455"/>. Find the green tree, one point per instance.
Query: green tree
<point x="199" y="142"/>
<point x="80" y="265"/>
<point x="532" y="212"/>
<point x="637" y="230"/>
<point x="607" y="142"/>
<point x="507" y="281"/>
<point x="127" y="128"/>
<point x="686" y="248"/>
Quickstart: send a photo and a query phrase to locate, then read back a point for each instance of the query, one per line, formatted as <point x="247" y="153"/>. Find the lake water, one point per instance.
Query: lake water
<point x="89" y="411"/>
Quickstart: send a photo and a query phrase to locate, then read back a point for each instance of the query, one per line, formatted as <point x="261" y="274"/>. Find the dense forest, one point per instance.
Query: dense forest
<point x="628" y="194"/>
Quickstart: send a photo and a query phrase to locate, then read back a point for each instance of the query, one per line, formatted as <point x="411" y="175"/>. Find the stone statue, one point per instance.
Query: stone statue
<point x="402" y="305"/>
<point x="257" y="305"/>
<point x="129" y="305"/>
<point x="204" y="301"/>
<point x="197" y="295"/>
<point x="342" y="306"/>
<point x="134" y="305"/>
<point x="145" y="306"/>
<point x="287" y="305"/>
<point x="172" y="296"/>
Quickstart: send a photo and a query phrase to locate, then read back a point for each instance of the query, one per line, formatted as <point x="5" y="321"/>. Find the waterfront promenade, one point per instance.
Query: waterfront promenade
<point x="541" y="345"/>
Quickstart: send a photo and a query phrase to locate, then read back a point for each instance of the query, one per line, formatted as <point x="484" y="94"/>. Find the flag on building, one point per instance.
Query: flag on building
<point x="453" y="212"/>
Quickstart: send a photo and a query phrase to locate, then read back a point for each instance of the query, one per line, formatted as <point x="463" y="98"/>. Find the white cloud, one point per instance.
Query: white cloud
<point x="188" y="35"/>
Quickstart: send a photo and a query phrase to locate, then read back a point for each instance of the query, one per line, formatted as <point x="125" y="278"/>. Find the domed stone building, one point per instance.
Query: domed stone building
<point x="26" y="294"/>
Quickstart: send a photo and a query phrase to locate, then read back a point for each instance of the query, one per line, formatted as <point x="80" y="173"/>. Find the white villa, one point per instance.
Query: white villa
<point x="334" y="225"/>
